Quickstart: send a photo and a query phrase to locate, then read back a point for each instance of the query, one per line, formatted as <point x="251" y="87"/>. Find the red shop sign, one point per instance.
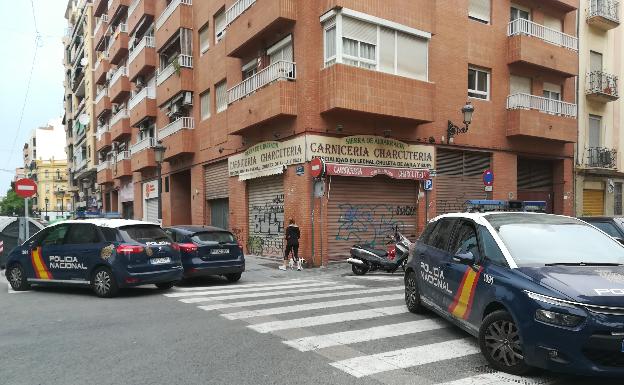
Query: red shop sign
<point x="370" y="171"/>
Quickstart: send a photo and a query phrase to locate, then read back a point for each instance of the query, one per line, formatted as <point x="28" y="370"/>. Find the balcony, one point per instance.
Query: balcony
<point x="143" y="154"/>
<point x="115" y="6"/>
<point x="250" y="23"/>
<point x="102" y="102"/>
<point x="119" y="88"/>
<point x="263" y="97"/>
<point x="347" y="88"/>
<point x="100" y="7"/>
<point x="602" y="87"/>
<point x="142" y="105"/>
<point x="178" y="14"/>
<point x="123" y="165"/>
<point x="174" y="79"/>
<point x="603" y="14"/>
<point x="118" y="44"/>
<point x="600" y="157"/>
<point x="139" y="10"/>
<point x="102" y="138"/>
<point x="539" y="46"/>
<point x="104" y="173"/>
<point x="143" y="58"/>
<point x="120" y="125"/>
<point x="102" y="66"/>
<point x="100" y="31"/>
<point x="538" y="117"/>
<point x="177" y="137"/>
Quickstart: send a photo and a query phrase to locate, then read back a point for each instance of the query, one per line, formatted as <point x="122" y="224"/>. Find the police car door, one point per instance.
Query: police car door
<point x="433" y="255"/>
<point x="47" y="254"/>
<point x="83" y="245"/>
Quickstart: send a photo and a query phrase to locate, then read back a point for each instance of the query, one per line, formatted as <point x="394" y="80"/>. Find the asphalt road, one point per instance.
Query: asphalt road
<point x="320" y="326"/>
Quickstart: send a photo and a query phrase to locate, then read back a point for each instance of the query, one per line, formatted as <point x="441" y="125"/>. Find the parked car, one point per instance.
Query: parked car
<point x="9" y="234"/>
<point x="614" y="226"/>
<point x="209" y="250"/>
<point x="106" y="254"/>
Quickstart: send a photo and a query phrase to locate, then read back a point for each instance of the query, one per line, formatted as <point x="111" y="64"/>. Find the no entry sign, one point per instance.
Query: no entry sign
<point x="317" y="167"/>
<point x="25" y="188"/>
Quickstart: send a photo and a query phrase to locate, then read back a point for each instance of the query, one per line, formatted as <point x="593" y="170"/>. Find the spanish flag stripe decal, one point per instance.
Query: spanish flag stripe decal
<point x="462" y="305"/>
<point x="459" y="291"/>
<point x="41" y="270"/>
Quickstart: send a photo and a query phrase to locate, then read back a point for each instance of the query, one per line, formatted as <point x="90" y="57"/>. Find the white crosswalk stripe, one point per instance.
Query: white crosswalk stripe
<point x="362" y="335"/>
<point x="294" y="299"/>
<point x="311" y="306"/>
<point x="245" y="285"/>
<point x="243" y="290"/>
<point x="498" y="378"/>
<point x="272" y="326"/>
<point x="406" y="358"/>
<point x="264" y="294"/>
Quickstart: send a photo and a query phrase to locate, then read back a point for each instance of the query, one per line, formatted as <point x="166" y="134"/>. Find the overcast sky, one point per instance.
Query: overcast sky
<point x="45" y="99"/>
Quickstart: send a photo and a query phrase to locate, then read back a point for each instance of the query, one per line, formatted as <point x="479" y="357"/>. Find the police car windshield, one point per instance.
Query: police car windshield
<point x="144" y="233"/>
<point x="541" y="239"/>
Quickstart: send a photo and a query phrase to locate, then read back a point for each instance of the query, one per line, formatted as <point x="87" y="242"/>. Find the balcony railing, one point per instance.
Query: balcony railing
<point x="101" y="21"/>
<point x="549" y="106"/>
<point x="184" y="61"/>
<point x="121" y="28"/>
<point x="101" y="130"/>
<point x="101" y="57"/>
<point x="236" y="10"/>
<point x="280" y="70"/>
<point x="549" y="35"/>
<point x="123" y="155"/>
<point x="609" y="9"/>
<point x="121" y="114"/>
<point x="169" y="11"/>
<point x="601" y="157"/>
<point x="103" y="166"/>
<point x="599" y="82"/>
<point x="101" y="94"/>
<point x="121" y="71"/>
<point x="142" y="145"/>
<point x="80" y="163"/>
<point x="173" y="127"/>
<point x="146" y="42"/>
<point x="133" y="6"/>
<point x="147" y="92"/>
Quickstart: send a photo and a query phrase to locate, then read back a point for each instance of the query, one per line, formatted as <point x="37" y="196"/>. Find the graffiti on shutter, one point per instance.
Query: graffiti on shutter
<point x="266" y="216"/>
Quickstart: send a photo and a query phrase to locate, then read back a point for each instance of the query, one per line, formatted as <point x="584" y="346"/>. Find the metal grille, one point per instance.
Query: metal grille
<point x="534" y="174"/>
<point x="617" y="209"/>
<point x="459" y="179"/>
<point x="599" y="82"/>
<point x="151" y="210"/>
<point x="601" y="157"/>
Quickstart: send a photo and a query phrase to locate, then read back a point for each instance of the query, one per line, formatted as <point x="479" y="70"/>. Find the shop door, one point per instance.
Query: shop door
<point x="460" y="178"/>
<point x="593" y="203"/>
<point x="365" y="210"/>
<point x="266" y="216"/>
<point x="219" y="213"/>
<point x="151" y="210"/>
<point x="535" y="181"/>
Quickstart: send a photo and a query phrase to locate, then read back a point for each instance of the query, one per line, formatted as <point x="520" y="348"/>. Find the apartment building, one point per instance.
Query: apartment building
<point x="79" y="119"/>
<point x="244" y="94"/>
<point x="599" y="175"/>
<point x="53" y="201"/>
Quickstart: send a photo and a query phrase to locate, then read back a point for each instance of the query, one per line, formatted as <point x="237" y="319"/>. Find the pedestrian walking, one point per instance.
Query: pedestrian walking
<point x="292" y="244"/>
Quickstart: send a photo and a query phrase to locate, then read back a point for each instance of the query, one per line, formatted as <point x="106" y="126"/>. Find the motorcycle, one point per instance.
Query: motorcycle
<point x="365" y="259"/>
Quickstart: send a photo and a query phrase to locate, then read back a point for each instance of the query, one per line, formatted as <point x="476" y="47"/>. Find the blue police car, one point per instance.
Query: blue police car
<point x="537" y="290"/>
<point x="106" y="254"/>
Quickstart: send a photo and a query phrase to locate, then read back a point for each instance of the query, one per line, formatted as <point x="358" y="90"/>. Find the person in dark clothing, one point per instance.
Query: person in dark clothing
<point x="292" y="244"/>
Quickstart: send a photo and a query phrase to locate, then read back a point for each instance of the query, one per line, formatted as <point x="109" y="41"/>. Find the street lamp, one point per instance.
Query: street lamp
<point x="47" y="218"/>
<point x="454" y="130"/>
<point x="61" y="194"/>
<point x="159" y="155"/>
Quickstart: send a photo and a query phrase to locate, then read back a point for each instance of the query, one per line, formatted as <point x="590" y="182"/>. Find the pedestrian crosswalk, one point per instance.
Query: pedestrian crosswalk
<point x="363" y="327"/>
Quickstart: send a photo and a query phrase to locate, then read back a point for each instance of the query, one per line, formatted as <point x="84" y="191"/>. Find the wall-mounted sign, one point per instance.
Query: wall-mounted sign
<point x="267" y="155"/>
<point x="368" y="171"/>
<point x="150" y="189"/>
<point x="300" y="170"/>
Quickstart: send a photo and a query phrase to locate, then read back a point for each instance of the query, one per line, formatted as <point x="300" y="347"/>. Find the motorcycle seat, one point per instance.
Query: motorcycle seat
<point x="379" y="253"/>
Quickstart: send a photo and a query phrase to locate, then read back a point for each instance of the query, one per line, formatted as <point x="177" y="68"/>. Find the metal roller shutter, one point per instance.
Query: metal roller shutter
<point x="593" y="203"/>
<point x="266" y="216"/>
<point x="459" y="178"/>
<point x="216" y="180"/>
<point x="151" y="210"/>
<point x="365" y="210"/>
<point x="535" y="181"/>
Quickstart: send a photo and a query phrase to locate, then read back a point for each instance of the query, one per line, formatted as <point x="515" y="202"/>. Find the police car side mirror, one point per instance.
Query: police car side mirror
<point x="465" y="258"/>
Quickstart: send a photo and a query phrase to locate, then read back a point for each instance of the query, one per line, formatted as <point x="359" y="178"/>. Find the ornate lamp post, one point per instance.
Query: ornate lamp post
<point x="454" y="130"/>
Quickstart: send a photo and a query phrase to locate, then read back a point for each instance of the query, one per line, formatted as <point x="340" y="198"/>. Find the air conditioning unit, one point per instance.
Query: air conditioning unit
<point x="188" y="99"/>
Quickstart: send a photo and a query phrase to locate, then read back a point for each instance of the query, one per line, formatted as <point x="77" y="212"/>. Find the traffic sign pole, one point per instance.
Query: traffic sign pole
<point x="26" y="216"/>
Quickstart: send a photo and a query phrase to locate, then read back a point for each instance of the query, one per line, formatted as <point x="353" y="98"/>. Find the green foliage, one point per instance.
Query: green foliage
<point x="13" y="205"/>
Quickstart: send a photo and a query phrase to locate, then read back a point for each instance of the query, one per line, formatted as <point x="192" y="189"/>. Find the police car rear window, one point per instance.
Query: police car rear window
<point x="144" y="233"/>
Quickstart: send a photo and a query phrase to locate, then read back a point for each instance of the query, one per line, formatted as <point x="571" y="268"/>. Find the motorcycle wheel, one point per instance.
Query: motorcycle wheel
<point x="359" y="269"/>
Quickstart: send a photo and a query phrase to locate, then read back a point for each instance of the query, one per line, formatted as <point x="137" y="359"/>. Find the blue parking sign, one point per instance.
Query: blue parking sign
<point x="428" y="184"/>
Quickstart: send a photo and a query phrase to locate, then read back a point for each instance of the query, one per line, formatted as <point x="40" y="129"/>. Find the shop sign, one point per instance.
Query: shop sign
<point x="373" y="151"/>
<point x="150" y="189"/>
<point x="267" y="155"/>
<point x="368" y="171"/>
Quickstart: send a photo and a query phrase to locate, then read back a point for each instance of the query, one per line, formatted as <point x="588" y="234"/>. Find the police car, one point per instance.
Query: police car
<point x="537" y="290"/>
<point x="106" y="254"/>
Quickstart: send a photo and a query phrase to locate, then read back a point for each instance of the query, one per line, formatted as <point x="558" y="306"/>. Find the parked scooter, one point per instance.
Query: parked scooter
<point x="364" y="259"/>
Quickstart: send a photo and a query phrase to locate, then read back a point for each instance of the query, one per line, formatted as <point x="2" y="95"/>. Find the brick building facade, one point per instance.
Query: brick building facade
<point x="243" y="94"/>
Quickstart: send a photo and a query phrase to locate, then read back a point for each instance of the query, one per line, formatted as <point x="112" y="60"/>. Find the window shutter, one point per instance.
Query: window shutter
<point x="479" y="9"/>
<point x="359" y="30"/>
<point x="221" y="96"/>
<point x="519" y="85"/>
<point x="411" y="56"/>
<point x="205" y="105"/>
<point x="204" y="39"/>
<point x="387" y="50"/>
<point x="219" y="25"/>
<point x="330" y="42"/>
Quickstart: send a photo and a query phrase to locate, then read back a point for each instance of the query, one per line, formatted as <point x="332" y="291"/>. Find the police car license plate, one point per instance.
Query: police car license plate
<point x="160" y="261"/>
<point x="219" y="251"/>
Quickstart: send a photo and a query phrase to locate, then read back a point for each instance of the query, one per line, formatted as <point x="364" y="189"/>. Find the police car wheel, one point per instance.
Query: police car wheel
<point x="359" y="269"/>
<point x="500" y="343"/>
<point x="103" y="283"/>
<point x="412" y="294"/>
<point x="17" y="278"/>
<point x="234" y="277"/>
<point x="165" y="285"/>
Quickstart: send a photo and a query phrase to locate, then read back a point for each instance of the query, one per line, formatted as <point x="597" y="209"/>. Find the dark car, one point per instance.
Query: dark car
<point x="209" y="250"/>
<point x="614" y="226"/>
<point x="537" y="290"/>
<point x="106" y="254"/>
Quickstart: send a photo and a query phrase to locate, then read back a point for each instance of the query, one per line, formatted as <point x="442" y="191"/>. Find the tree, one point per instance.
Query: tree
<point x="12" y="205"/>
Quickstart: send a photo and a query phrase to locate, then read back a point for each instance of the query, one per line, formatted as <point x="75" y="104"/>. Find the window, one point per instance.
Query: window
<point x="478" y="83"/>
<point x="81" y="234"/>
<point x="440" y="237"/>
<point x="213" y="237"/>
<point x="518" y="12"/>
<point x="519" y="85"/>
<point x="55" y="236"/>
<point x="594" y="134"/>
<point x="204" y="39"/>
<point x="221" y="96"/>
<point x="204" y="101"/>
<point x="282" y="50"/>
<point x="250" y="69"/>
<point x="595" y="61"/>
<point x="466" y="241"/>
<point x="330" y="42"/>
<point x="479" y="10"/>
<point x="617" y="208"/>
<point x="426" y="237"/>
<point x="608" y="228"/>
<point x="110" y="234"/>
<point x="491" y="251"/>
<point x="219" y="25"/>
<point x="144" y="233"/>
